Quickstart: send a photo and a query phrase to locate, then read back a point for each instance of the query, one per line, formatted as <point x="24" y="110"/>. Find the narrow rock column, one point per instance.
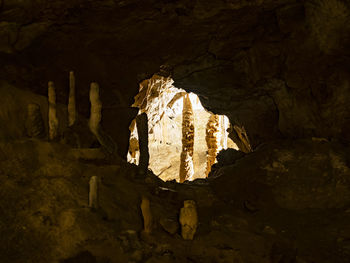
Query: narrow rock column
<point x="211" y="137"/>
<point x="53" y="121"/>
<point x="186" y="158"/>
<point x="242" y="139"/>
<point x="35" y="124"/>
<point x="188" y="219"/>
<point x="93" y="192"/>
<point x="147" y="215"/>
<point x="96" y="106"/>
<point x="71" y="100"/>
<point x="142" y="130"/>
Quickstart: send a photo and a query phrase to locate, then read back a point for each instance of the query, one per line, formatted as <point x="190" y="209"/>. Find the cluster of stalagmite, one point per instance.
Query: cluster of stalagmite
<point x="186" y="159"/>
<point x="35" y="127"/>
<point x="188" y="219"/>
<point x="212" y="139"/>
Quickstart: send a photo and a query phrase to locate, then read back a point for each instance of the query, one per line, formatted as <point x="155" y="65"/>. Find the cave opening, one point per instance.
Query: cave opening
<point x="183" y="137"/>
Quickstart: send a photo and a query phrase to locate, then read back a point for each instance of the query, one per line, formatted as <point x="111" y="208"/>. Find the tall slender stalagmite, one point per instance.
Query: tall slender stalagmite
<point x="186" y="159"/>
<point x="71" y="100"/>
<point x="212" y="132"/>
<point x="96" y="106"/>
<point x="53" y="121"/>
<point x="93" y="192"/>
<point x="142" y="130"/>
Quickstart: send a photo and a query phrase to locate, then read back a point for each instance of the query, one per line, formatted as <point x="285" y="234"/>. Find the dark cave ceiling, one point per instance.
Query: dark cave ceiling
<point x="280" y="68"/>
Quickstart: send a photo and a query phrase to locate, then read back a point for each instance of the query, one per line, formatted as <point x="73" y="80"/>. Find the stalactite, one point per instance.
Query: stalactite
<point x="53" y="121"/>
<point x="186" y="159"/>
<point x="142" y="130"/>
<point x="71" y="101"/>
<point x="212" y="131"/>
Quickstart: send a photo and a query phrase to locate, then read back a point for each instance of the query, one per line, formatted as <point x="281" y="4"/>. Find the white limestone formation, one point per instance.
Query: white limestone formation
<point x="212" y="139"/>
<point x="186" y="160"/>
<point x="53" y="120"/>
<point x="93" y="192"/>
<point x="188" y="220"/>
<point x="72" y="112"/>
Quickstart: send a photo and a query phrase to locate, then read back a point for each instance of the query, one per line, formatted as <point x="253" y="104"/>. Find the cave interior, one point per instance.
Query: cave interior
<point x="163" y="131"/>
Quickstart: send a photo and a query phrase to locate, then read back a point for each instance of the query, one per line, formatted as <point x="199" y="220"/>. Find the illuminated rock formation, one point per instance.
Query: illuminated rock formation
<point x="142" y="130"/>
<point x="176" y="131"/>
<point x="53" y="120"/>
<point x="186" y="162"/>
<point x="188" y="219"/>
<point x="93" y="192"/>
<point x="134" y="149"/>
<point x="71" y="101"/>
<point x="147" y="215"/>
<point x="212" y="139"/>
<point x="34" y="124"/>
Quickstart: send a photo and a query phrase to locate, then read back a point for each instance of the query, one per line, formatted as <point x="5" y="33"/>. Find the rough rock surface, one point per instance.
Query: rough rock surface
<point x="274" y="67"/>
<point x="280" y="69"/>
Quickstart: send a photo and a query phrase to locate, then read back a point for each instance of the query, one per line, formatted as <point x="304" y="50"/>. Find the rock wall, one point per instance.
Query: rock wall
<point x="278" y="68"/>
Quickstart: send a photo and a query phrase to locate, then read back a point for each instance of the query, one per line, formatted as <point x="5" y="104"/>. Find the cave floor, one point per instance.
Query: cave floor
<point x="260" y="208"/>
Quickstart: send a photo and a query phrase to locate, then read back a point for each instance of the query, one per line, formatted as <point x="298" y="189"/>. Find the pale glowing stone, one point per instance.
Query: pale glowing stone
<point x="163" y="104"/>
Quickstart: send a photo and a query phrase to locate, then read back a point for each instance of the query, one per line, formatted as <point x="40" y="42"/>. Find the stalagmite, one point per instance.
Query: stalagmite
<point x="95" y="120"/>
<point x="186" y="159"/>
<point x="242" y="139"/>
<point x="71" y="101"/>
<point x="212" y="132"/>
<point x="96" y="106"/>
<point x="53" y="121"/>
<point x="93" y="193"/>
<point x="142" y="130"/>
<point x="188" y="219"/>
<point x="35" y="124"/>
<point x="147" y="214"/>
